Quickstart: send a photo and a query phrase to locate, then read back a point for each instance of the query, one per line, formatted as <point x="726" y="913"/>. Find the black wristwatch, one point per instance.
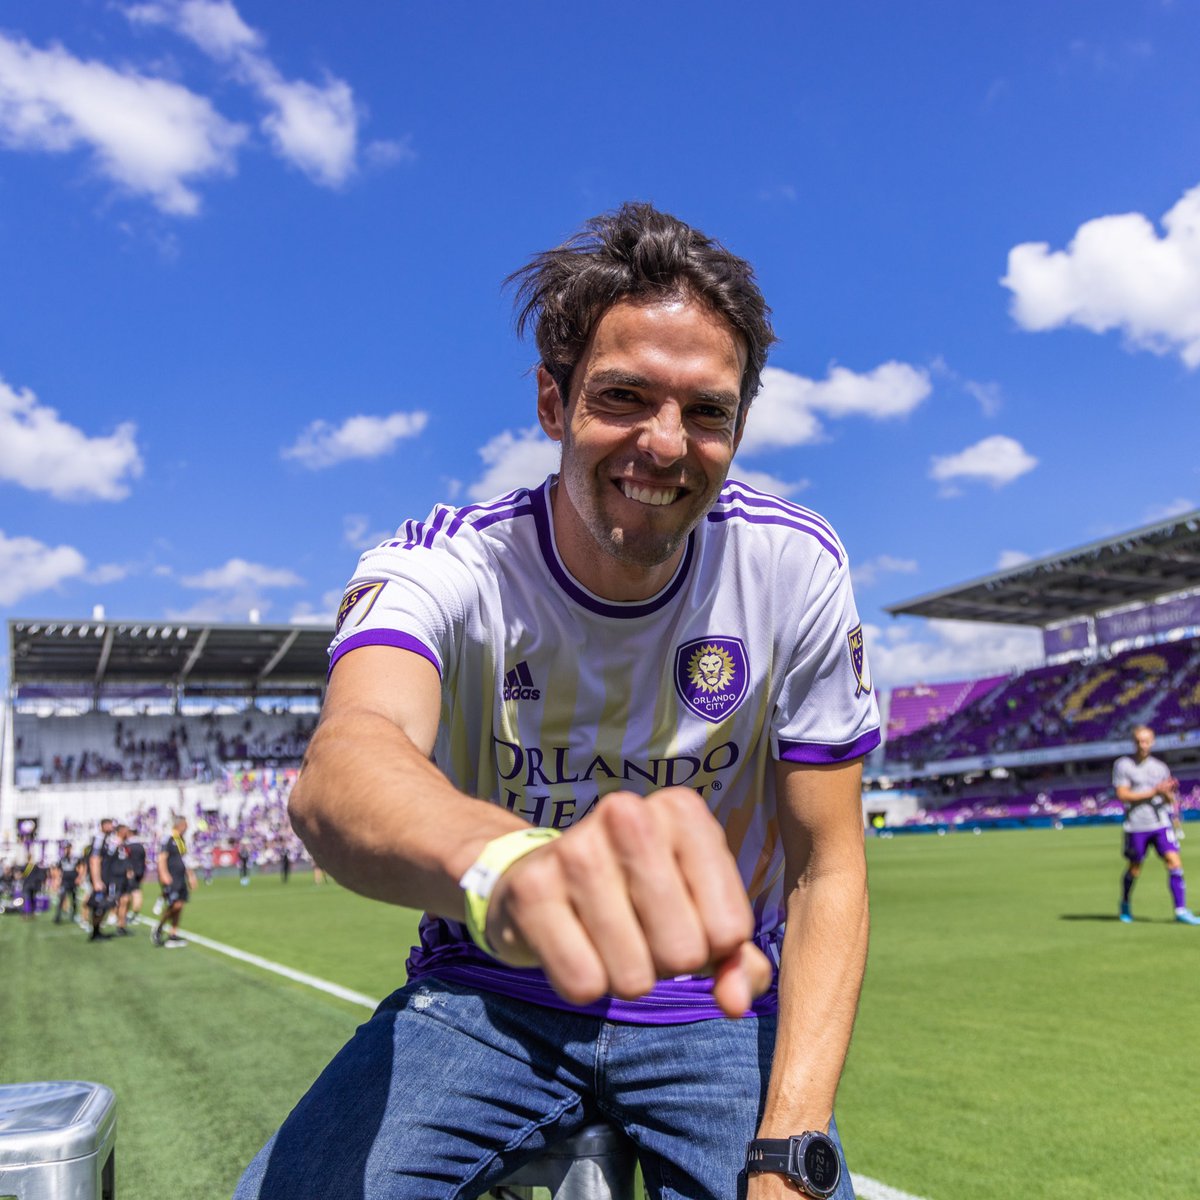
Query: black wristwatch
<point x="809" y="1160"/>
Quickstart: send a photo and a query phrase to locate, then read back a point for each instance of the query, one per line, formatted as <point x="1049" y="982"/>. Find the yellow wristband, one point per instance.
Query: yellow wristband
<point x="484" y="873"/>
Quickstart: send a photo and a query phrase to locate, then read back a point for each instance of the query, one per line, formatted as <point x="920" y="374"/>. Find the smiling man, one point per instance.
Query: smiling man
<point x="607" y="733"/>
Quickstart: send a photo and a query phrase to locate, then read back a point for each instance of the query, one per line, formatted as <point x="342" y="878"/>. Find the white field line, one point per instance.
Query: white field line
<point x="865" y="1187"/>
<point x="255" y="960"/>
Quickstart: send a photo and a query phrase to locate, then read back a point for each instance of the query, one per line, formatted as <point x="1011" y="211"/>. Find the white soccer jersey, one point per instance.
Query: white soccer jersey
<point x="553" y="696"/>
<point x="1146" y="815"/>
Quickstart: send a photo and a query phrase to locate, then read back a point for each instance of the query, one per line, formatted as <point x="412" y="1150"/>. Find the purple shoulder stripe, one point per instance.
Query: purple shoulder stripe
<point x="384" y="637"/>
<point x="816" y="752"/>
<point x="736" y="492"/>
<point x="787" y="522"/>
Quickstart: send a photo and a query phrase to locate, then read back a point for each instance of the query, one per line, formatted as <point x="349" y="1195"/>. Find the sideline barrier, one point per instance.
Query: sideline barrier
<point x="597" y="1163"/>
<point x="57" y="1141"/>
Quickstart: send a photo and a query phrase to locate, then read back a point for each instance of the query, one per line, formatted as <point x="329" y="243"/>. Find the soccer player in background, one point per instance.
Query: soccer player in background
<point x="1145" y="786"/>
<point x="68" y="883"/>
<point x="137" y="873"/>
<point x="640" y="850"/>
<point x="178" y="882"/>
<point x="122" y="879"/>
<point x="99" y="860"/>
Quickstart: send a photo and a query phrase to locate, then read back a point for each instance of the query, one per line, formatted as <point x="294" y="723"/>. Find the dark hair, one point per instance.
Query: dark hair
<point x="636" y="253"/>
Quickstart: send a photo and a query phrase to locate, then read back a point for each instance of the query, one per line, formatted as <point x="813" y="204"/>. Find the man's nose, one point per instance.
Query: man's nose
<point x="663" y="436"/>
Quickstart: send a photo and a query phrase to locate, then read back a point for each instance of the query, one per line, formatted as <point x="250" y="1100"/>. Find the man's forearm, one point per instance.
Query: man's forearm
<point x="821" y="971"/>
<point x="376" y="813"/>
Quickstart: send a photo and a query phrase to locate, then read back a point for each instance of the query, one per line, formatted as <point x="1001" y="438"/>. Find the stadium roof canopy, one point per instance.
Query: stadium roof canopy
<point x="1130" y="568"/>
<point x="176" y="654"/>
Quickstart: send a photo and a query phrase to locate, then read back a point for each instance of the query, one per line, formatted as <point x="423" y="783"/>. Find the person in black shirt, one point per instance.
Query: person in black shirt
<point x="100" y="870"/>
<point x="137" y="872"/>
<point x="177" y="879"/>
<point x="68" y="884"/>
<point x="122" y="878"/>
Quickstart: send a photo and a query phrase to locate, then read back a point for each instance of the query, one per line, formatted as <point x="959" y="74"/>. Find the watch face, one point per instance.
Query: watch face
<point x="821" y="1164"/>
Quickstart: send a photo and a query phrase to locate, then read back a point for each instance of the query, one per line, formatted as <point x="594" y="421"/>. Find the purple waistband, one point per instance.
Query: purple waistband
<point x="671" y="1002"/>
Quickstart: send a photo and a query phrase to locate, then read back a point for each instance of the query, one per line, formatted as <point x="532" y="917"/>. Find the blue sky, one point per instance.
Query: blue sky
<point x="251" y="254"/>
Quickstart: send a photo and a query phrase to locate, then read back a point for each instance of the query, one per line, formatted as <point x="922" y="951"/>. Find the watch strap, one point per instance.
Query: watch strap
<point x="770" y="1154"/>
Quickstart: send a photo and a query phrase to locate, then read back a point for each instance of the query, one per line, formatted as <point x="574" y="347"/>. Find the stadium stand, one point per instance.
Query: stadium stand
<point x="141" y="722"/>
<point x="1121" y="633"/>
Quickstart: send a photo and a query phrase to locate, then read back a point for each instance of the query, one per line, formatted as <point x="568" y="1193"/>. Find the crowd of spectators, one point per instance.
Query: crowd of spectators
<point x="114" y="750"/>
<point x="1061" y="805"/>
<point x="1065" y="704"/>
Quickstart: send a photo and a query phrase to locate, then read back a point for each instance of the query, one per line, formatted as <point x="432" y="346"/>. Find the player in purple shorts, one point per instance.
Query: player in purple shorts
<point x="1145" y="786"/>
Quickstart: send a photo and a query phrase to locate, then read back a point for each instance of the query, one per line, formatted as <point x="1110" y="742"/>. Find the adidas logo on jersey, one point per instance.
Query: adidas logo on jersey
<point x="518" y="684"/>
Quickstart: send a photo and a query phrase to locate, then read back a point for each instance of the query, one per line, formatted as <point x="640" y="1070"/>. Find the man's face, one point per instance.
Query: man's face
<point x="1143" y="739"/>
<point x="647" y="439"/>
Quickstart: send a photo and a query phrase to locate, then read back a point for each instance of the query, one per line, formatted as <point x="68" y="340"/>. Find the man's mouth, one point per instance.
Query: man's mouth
<point x="650" y="495"/>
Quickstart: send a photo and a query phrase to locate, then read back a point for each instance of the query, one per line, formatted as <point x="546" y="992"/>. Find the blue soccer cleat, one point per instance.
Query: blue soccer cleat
<point x="1185" y="916"/>
<point x="1126" y="916"/>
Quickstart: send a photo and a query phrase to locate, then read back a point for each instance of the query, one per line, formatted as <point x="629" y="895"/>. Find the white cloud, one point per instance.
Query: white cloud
<point x="1164" y="512"/>
<point x="764" y="482"/>
<point x="996" y="460"/>
<point x="238" y="574"/>
<point x="787" y="411"/>
<point x="313" y="126"/>
<point x="324" y="614"/>
<point x="323" y="445"/>
<point x="107" y="573"/>
<point x="521" y="459"/>
<point x="40" y="451"/>
<point x="1118" y="273"/>
<point x="28" y="566"/>
<point x="865" y="574"/>
<point x="150" y="136"/>
<point x="1012" y="558"/>
<point x="988" y="395"/>
<point x="906" y="653"/>
<point x="237" y="590"/>
<point x="357" y="532"/>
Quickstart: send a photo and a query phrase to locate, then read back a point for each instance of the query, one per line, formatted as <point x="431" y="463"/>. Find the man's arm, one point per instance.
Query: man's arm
<point x="644" y="888"/>
<point x="94" y="867"/>
<point x="824" y="947"/>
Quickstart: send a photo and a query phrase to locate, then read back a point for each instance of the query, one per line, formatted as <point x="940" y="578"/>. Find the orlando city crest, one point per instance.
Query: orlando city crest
<point x="711" y="676"/>
<point x="858" y="660"/>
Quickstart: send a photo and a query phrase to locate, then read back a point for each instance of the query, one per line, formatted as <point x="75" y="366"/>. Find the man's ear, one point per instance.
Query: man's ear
<point x="551" y="409"/>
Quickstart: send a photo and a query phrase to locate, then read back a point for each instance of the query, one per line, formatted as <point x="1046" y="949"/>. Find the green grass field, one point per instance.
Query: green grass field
<point x="1014" y="1039"/>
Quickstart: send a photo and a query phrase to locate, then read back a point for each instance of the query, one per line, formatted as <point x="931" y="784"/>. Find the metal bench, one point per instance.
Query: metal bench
<point x="57" y="1140"/>
<point x="597" y="1163"/>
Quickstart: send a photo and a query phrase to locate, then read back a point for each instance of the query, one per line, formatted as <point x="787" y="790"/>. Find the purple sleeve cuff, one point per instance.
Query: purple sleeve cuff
<point x="816" y="752"/>
<point x="384" y="637"/>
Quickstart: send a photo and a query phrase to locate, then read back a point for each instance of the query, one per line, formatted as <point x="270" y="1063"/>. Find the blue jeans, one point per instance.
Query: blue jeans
<point x="446" y="1090"/>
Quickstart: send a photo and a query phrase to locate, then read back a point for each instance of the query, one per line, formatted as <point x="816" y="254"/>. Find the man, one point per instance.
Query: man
<point x="122" y="878"/>
<point x="1145" y="786"/>
<point x="645" y="693"/>
<point x="33" y="878"/>
<point x="68" y="883"/>
<point x="178" y="882"/>
<point x="101" y="858"/>
<point x="137" y="873"/>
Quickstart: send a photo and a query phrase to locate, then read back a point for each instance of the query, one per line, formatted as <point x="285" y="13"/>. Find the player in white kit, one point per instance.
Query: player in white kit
<point x="1145" y="785"/>
<point x="607" y="732"/>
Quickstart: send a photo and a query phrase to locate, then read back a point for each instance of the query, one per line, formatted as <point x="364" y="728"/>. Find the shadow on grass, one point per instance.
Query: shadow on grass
<point x="1089" y="917"/>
